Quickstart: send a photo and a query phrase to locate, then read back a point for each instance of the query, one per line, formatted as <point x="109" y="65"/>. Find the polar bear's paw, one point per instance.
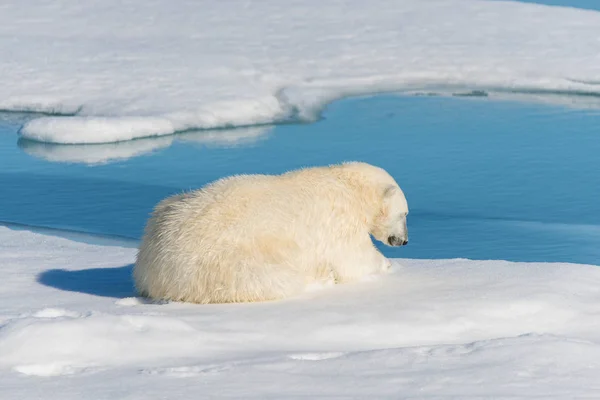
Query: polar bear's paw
<point x="321" y="283"/>
<point x="387" y="265"/>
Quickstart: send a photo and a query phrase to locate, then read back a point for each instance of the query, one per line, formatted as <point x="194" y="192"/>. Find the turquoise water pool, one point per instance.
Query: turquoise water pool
<point x="485" y="179"/>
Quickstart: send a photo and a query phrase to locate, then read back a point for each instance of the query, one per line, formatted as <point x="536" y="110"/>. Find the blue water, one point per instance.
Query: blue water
<point x="484" y="179"/>
<point x="585" y="4"/>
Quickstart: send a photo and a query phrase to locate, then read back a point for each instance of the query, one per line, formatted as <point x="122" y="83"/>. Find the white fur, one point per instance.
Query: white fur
<point x="265" y="237"/>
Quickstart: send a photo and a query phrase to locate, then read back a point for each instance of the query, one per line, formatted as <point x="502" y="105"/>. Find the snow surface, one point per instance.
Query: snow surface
<point x="71" y="328"/>
<point x="140" y="68"/>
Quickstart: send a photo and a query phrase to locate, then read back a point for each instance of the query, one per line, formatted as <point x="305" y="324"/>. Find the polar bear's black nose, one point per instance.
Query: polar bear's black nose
<point x="396" y="241"/>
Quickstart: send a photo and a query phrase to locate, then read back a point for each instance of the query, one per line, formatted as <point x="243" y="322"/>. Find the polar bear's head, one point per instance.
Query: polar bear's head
<point x="389" y="225"/>
<point x="386" y="205"/>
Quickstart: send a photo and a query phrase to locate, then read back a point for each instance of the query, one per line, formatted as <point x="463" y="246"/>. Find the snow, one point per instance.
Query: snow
<point x="431" y="329"/>
<point x="114" y="71"/>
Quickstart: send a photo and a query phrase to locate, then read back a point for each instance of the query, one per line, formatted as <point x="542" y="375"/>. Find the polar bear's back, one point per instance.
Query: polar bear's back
<point x="247" y="202"/>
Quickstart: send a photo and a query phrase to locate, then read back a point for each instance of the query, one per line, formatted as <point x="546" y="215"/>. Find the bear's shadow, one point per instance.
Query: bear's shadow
<point x="105" y="282"/>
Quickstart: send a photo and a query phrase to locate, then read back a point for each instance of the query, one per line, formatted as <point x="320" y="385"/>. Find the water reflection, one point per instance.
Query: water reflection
<point x="93" y="153"/>
<point x="97" y="154"/>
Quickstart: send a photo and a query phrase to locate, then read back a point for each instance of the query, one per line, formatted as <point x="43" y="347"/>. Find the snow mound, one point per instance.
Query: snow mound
<point x="122" y="71"/>
<point x="429" y="329"/>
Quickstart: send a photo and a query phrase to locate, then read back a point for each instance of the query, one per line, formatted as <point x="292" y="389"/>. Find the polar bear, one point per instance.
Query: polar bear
<point x="249" y="238"/>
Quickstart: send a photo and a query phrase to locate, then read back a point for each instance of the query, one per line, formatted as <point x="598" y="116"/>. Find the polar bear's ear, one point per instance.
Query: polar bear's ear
<point x="389" y="191"/>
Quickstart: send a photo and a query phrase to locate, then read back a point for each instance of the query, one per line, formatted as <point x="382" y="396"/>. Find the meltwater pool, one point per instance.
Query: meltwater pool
<point x="485" y="179"/>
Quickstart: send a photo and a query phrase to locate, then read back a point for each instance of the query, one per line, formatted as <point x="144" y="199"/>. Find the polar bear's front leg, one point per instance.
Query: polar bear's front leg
<point x="360" y="262"/>
<point x="380" y="262"/>
<point x="386" y="264"/>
